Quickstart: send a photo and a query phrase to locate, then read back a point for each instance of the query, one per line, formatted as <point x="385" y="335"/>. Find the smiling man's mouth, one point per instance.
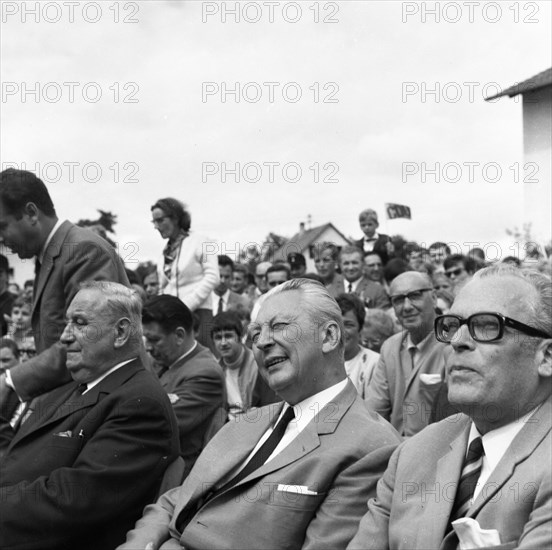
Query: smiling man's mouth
<point x="274" y="361"/>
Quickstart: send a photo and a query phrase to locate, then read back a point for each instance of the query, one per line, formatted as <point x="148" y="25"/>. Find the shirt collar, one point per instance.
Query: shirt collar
<point x="496" y="442"/>
<point x="184" y="355"/>
<point x="90" y="385"/>
<point x="47" y="241"/>
<point x="374" y="237"/>
<point x="306" y="410"/>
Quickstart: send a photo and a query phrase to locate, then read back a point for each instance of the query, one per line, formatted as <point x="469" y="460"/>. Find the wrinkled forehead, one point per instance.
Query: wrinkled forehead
<point x="509" y="296"/>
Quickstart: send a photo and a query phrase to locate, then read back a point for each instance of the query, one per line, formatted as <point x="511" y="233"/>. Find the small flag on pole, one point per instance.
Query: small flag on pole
<point x="397" y="211"/>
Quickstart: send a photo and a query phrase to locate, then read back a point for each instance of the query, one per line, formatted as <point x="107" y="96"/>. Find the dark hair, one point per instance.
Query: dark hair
<point x="175" y="210"/>
<point x="395" y="267"/>
<point x="224" y="261"/>
<point x="350" y="302"/>
<point x="468" y="263"/>
<point x="18" y="187"/>
<point x="278" y="267"/>
<point x="10" y="344"/>
<point x="169" y="312"/>
<point x="227" y="320"/>
<point x="133" y="278"/>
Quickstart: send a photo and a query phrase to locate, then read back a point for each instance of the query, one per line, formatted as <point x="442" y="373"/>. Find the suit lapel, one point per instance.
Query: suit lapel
<point x="220" y="459"/>
<point x="58" y="404"/>
<point x="523" y="445"/>
<point x="51" y="253"/>
<point x="308" y="439"/>
<point x="439" y="505"/>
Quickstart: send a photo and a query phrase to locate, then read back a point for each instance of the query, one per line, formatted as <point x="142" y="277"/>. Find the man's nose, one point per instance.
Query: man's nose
<point x="462" y="339"/>
<point x="67" y="334"/>
<point x="265" y="338"/>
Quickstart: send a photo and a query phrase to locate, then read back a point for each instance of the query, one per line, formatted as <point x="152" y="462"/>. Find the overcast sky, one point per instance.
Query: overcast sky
<point x="348" y="101"/>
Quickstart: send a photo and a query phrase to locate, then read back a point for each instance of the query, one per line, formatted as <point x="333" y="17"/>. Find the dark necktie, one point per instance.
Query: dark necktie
<point x="350" y="289"/>
<point x="468" y="480"/>
<point x="220" y="304"/>
<point x="257" y="460"/>
<point x="37" y="275"/>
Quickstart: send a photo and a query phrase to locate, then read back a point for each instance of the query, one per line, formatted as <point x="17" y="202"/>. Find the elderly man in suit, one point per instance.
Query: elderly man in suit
<point x="490" y="463"/>
<point x="188" y="372"/>
<point x="90" y="454"/>
<point x="411" y="367"/>
<point x="66" y="255"/>
<point x="371" y="294"/>
<point x="290" y="475"/>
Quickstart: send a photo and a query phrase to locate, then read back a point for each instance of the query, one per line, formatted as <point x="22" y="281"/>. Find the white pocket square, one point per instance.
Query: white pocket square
<point x="68" y="433"/>
<point x="430" y="379"/>
<point x="297" y="489"/>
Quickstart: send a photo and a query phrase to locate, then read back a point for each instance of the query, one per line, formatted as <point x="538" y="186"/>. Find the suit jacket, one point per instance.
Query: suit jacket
<point x="380" y="246"/>
<point x="195" y="385"/>
<point x="416" y="494"/>
<point x="74" y="255"/>
<point x="338" y="457"/>
<point x="81" y="468"/>
<point x="403" y="395"/>
<point x="372" y="294"/>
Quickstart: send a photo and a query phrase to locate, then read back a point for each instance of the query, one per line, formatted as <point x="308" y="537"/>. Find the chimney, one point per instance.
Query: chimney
<point x="301" y="228"/>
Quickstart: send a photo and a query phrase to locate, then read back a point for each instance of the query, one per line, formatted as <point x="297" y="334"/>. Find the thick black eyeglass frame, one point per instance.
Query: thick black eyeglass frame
<point x="503" y="321"/>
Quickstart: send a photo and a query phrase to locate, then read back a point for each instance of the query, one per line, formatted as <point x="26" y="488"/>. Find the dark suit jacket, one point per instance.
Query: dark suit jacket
<point x="195" y="386"/>
<point x="81" y="468"/>
<point x="372" y="294"/>
<point x="416" y="494"/>
<point x="74" y="255"/>
<point x="379" y="247"/>
<point x="337" y="459"/>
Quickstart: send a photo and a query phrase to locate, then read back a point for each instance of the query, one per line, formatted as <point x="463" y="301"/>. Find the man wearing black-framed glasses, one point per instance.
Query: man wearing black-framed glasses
<point x="410" y="371"/>
<point x="491" y="462"/>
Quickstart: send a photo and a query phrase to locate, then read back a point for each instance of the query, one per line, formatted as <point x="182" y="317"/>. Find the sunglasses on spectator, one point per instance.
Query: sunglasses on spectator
<point x="483" y="327"/>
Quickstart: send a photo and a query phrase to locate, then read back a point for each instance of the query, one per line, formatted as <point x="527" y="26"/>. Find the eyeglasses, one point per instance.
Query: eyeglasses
<point x="454" y="272"/>
<point x="157" y="221"/>
<point x="414" y="296"/>
<point x="483" y="327"/>
<point x="29" y="352"/>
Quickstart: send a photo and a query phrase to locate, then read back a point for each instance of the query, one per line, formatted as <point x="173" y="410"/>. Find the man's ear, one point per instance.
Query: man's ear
<point x="31" y="210"/>
<point x="180" y="334"/>
<point x="331" y="335"/>
<point x="543" y="357"/>
<point x="123" y="331"/>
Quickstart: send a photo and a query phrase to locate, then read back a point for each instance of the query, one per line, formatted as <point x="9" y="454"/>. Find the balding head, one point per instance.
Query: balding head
<point x="414" y="302"/>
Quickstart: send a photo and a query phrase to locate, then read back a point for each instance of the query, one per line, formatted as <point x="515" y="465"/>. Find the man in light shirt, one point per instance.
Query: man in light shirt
<point x="490" y="463"/>
<point x="295" y="474"/>
<point x="90" y="454"/>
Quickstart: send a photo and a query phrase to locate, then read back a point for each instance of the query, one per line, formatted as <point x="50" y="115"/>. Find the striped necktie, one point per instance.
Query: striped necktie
<point x="468" y="480"/>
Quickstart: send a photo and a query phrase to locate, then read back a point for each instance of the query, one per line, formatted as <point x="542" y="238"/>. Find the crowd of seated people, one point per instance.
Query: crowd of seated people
<point x="271" y="407"/>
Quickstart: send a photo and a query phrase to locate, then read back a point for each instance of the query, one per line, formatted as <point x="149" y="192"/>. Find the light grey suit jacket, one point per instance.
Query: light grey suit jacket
<point x="398" y="392"/>
<point x="338" y="458"/>
<point x="416" y="494"/>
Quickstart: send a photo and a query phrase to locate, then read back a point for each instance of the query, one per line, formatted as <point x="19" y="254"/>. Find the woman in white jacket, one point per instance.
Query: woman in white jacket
<point x="189" y="268"/>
